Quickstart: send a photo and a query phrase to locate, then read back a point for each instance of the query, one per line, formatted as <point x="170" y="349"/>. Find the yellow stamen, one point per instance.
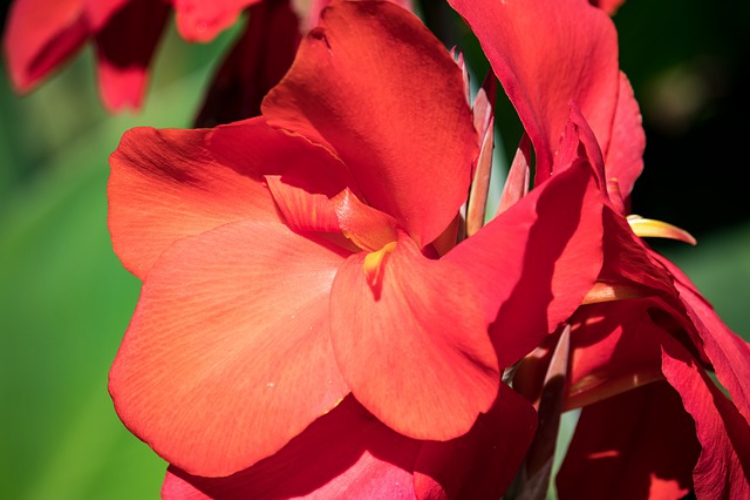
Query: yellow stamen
<point x="646" y="228"/>
<point x="604" y="292"/>
<point x="373" y="265"/>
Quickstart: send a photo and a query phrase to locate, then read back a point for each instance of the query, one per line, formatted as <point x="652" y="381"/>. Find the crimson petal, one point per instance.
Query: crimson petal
<point x="375" y="85"/>
<point x="228" y="354"/>
<point x="723" y="467"/>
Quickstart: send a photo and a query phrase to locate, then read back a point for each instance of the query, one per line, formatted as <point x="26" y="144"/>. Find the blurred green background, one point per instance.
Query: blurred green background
<point x="65" y="300"/>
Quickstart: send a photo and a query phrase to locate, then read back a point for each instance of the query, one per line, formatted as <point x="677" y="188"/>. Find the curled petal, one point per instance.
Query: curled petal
<point x="415" y="345"/>
<point x="353" y="87"/>
<point x="228" y="354"/>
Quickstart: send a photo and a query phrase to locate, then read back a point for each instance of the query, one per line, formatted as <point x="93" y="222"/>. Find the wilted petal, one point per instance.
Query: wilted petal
<point x="546" y="54"/>
<point x="375" y="84"/>
<point x="125" y="46"/>
<point x="535" y="262"/>
<point x="228" y="355"/>
<point x="39" y="36"/>
<point x="346" y="454"/>
<point x="481" y="464"/>
<point x="640" y="444"/>
<point x="414" y="346"/>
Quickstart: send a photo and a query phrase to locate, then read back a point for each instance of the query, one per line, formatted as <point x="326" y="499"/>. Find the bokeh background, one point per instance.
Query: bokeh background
<point x="65" y="300"/>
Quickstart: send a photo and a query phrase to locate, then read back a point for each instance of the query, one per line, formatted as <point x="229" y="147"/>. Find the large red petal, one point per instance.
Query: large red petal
<point x="547" y="53"/>
<point x="729" y="354"/>
<point x="169" y="184"/>
<point x="536" y="261"/>
<point x="257" y="62"/>
<point x="40" y="35"/>
<point x="624" y="160"/>
<point x="228" y="354"/>
<point x="640" y="444"/>
<point x="723" y="467"/>
<point x="481" y="464"/>
<point x="202" y="20"/>
<point x="125" y="47"/>
<point x="346" y="454"/>
<point x="375" y="84"/>
<point x="414" y="349"/>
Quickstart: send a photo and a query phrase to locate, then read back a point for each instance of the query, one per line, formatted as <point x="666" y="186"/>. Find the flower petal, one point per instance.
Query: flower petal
<point x="257" y="62"/>
<point x="202" y="20"/>
<point x="571" y="56"/>
<point x="536" y="261"/>
<point x="729" y="354"/>
<point x="346" y="454"/>
<point x="640" y="444"/>
<point x="481" y="464"/>
<point x="624" y="159"/>
<point x="723" y="466"/>
<point x="414" y="346"/>
<point x="169" y="184"/>
<point x="39" y="36"/>
<point x="374" y="84"/>
<point x="123" y="66"/>
<point x="228" y="354"/>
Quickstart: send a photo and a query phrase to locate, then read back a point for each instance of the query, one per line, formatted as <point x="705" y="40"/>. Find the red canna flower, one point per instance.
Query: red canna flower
<point x="565" y="87"/>
<point x="287" y="260"/>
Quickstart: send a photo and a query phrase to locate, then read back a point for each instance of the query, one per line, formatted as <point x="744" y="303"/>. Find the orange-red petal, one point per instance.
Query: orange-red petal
<point x="228" y="354"/>
<point x="375" y="85"/>
<point x="415" y="345"/>
<point x="169" y="184"/>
